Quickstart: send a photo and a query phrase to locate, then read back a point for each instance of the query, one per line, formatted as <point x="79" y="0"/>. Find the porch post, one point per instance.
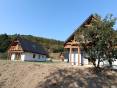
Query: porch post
<point x="9" y="56"/>
<point x="78" y="55"/>
<point x="70" y="55"/>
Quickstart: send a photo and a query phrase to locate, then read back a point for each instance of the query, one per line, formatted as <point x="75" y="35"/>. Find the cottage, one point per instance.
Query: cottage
<point x="73" y="52"/>
<point x="25" y="50"/>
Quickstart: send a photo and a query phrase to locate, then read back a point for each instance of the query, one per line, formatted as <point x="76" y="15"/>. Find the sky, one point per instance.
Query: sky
<point x="55" y="19"/>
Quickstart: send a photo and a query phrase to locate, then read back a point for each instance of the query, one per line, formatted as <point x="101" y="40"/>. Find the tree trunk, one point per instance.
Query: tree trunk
<point x="110" y="62"/>
<point x="98" y="65"/>
<point x="94" y="63"/>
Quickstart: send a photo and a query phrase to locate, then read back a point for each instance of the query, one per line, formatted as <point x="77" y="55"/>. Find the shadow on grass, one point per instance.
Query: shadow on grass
<point x="78" y="78"/>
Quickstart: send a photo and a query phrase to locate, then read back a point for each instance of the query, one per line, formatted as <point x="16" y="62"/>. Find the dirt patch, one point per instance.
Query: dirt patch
<point x="52" y="75"/>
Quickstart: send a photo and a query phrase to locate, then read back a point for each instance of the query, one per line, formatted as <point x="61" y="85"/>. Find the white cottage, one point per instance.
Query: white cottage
<point x="74" y="54"/>
<point x="25" y="50"/>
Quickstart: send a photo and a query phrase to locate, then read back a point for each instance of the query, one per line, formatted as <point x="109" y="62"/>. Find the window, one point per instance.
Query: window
<point x="34" y="55"/>
<point x="39" y="56"/>
<point x="43" y="56"/>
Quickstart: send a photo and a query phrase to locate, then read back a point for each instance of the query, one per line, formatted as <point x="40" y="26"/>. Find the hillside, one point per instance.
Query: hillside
<point x="52" y="75"/>
<point x="51" y="45"/>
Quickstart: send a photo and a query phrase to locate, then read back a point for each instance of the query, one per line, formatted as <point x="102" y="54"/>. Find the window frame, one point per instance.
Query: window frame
<point x="34" y="55"/>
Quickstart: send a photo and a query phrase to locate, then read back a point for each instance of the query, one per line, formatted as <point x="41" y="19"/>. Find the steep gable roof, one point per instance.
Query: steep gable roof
<point x="86" y="21"/>
<point x="29" y="46"/>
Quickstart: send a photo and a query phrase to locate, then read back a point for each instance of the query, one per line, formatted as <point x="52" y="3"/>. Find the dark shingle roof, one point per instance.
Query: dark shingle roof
<point x="29" y="46"/>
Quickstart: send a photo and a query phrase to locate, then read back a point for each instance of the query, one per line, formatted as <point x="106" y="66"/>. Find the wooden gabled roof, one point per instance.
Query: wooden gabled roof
<point x="29" y="46"/>
<point x="84" y="23"/>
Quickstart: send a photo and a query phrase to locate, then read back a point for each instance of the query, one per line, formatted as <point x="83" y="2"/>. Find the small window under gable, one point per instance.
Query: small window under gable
<point x="34" y="55"/>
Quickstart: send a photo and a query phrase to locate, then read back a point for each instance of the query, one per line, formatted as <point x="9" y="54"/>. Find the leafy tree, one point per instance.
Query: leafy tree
<point x="4" y="42"/>
<point x="99" y="40"/>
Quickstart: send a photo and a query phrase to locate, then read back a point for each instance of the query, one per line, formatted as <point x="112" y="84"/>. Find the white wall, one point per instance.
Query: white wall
<point x="23" y="57"/>
<point x="115" y="62"/>
<point x="106" y="63"/>
<point x="13" y="57"/>
<point x="85" y="61"/>
<point x="29" y="57"/>
<point x="74" y="58"/>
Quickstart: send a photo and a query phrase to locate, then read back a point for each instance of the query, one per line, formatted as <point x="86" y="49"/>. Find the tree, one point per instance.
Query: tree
<point x="99" y="40"/>
<point x="4" y="42"/>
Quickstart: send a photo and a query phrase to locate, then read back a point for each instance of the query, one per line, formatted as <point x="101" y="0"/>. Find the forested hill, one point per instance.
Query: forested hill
<point x="51" y="45"/>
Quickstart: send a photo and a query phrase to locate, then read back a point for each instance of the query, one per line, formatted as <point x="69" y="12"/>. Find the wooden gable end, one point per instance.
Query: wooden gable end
<point x="72" y="42"/>
<point x="15" y="47"/>
<point x="72" y="39"/>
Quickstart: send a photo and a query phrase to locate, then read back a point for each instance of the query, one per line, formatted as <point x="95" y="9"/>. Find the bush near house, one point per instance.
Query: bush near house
<point x="3" y="56"/>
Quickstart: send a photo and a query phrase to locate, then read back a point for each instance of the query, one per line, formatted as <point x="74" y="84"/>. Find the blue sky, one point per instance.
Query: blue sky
<point x="55" y="19"/>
